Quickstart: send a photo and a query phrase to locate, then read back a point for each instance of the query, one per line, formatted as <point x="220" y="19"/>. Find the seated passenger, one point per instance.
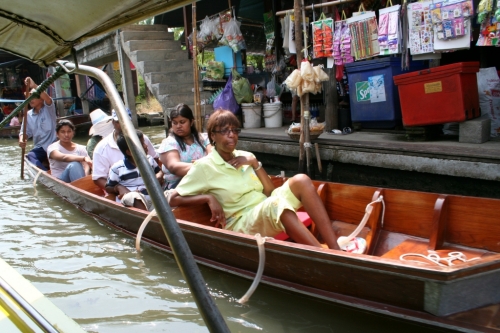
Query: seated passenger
<point x="183" y="146"/>
<point x="242" y="197"/>
<point x="101" y="127"/>
<point x="107" y="153"/>
<point x="68" y="160"/>
<point x="17" y="119"/>
<point x="125" y="180"/>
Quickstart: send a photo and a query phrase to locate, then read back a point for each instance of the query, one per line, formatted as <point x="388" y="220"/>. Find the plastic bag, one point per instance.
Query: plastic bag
<point x="205" y="33"/>
<point x="215" y="70"/>
<point x="242" y="89"/>
<point x="271" y="88"/>
<point x="320" y="74"/>
<point x="226" y="100"/>
<point x="488" y="85"/>
<point x="293" y="80"/>
<point x="306" y="70"/>
<point x="232" y="36"/>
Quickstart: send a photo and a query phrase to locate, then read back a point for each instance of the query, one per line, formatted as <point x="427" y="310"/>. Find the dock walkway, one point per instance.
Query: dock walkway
<point x="444" y="156"/>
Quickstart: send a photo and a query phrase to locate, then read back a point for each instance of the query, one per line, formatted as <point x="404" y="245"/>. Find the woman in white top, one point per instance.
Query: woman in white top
<point x="182" y="147"/>
<point x="69" y="161"/>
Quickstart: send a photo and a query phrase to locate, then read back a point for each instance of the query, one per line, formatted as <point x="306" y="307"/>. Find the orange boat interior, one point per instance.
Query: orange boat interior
<point x="404" y="222"/>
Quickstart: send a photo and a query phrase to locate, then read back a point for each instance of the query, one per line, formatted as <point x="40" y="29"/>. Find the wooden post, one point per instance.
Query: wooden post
<point x="197" y="104"/>
<point x="25" y="124"/>
<point x="298" y="44"/>
<point x="332" y="101"/>
<point x="127" y="83"/>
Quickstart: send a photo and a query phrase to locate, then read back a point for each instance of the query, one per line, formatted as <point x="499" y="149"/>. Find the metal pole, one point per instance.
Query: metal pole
<point x="208" y="309"/>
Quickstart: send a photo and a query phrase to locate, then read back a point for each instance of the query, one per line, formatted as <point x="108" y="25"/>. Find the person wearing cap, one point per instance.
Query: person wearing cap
<point x="41" y="126"/>
<point x="101" y="127"/>
<point x="107" y="153"/>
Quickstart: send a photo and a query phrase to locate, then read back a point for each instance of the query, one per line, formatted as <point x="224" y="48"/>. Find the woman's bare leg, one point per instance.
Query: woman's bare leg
<point x="302" y="187"/>
<point x="296" y="230"/>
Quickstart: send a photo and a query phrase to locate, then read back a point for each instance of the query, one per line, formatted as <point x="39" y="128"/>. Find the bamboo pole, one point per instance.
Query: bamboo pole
<point x="197" y="109"/>
<point x="307" y="113"/>
<point x="298" y="43"/>
<point x="25" y="136"/>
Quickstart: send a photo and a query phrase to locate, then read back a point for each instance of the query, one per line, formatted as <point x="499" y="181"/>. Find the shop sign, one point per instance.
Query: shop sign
<point x="362" y="91"/>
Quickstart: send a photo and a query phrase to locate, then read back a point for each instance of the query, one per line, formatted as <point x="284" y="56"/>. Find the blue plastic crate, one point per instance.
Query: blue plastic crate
<point x="373" y="95"/>
<point x="225" y="54"/>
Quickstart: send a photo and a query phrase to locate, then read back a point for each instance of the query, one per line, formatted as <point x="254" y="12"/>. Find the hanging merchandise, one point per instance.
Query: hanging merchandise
<point x="341" y="44"/>
<point x="232" y="36"/>
<point x="389" y="30"/>
<point x="306" y="80"/>
<point x="364" y="35"/>
<point x="420" y="28"/>
<point x="269" y="31"/>
<point x="322" y="37"/>
<point x="215" y="70"/>
<point x="208" y="31"/>
<point x="285" y="30"/>
<point x="490" y="23"/>
<point x="224" y="18"/>
<point x="226" y="100"/>
<point x="242" y="89"/>
<point x="291" y="35"/>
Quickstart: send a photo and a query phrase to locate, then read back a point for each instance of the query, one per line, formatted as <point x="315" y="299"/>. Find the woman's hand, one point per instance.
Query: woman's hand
<point x="88" y="161"/>
<point x="218" y="215"/>
<point x="238" y="161"/>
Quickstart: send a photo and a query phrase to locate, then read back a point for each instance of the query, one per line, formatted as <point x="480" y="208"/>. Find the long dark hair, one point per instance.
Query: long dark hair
<point x="184" y="111"/>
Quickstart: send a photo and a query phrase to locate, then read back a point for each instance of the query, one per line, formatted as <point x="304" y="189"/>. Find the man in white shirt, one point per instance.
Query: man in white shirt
<point x="107" y="153"/>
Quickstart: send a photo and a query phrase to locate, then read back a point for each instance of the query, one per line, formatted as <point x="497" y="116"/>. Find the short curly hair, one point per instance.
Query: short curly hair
<point x="218" y="120"/>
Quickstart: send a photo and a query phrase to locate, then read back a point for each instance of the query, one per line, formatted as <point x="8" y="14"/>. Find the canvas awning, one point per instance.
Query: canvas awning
<point x="46" y="31"/>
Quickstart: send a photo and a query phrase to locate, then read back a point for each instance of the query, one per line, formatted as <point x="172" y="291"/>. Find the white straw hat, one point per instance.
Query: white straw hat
<point x="101" y="124"/>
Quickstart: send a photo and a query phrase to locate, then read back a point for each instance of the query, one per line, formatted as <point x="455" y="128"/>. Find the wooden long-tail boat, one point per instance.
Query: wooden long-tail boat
<point x="10" y="132"/>
<point x="463" y="295"/>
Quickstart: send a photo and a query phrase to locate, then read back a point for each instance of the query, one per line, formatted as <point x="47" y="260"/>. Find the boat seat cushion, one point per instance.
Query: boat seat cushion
<point x="303" y="217"/>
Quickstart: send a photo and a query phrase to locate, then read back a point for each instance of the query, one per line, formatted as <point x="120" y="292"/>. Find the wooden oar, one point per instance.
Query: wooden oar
<point x="25" y="122"/>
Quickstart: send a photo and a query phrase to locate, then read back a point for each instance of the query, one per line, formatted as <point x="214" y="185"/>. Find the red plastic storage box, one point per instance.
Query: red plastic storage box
<point x="439" y="95"/>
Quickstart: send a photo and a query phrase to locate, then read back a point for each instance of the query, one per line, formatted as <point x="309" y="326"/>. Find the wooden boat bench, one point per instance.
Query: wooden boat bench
<point x="436" y="243"/>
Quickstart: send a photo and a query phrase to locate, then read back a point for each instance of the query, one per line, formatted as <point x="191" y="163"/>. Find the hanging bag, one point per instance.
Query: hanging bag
<point x="242" y="89"/>
<point x="226" y="100"/>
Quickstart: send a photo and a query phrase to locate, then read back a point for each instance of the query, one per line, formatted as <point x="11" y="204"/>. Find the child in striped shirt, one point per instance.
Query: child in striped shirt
<point x="125" y="180"/>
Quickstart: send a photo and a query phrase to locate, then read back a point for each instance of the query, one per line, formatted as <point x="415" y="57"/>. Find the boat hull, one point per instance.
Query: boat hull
<point x="408" y="290"/>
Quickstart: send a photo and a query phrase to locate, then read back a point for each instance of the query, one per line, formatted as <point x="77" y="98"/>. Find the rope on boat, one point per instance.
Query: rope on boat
<point x="35" y="180"/>
<point x="141" y="229"/>
<point x="262" y="260"/>
<point x="344" y="241"/>
<point x="436" y="258"/>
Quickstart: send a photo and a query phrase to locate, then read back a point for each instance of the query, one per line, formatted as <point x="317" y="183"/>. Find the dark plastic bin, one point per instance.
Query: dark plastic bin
<point x="375" y="77"/>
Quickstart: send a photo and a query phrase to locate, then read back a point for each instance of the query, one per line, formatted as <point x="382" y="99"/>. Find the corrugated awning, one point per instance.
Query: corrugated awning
<point x="44" y="32"/>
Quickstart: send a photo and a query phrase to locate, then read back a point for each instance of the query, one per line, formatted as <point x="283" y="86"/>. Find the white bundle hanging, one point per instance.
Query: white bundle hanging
<point x="308" y="86"/>
<point x="320" y="74"/>
<point x="293" y="80"/>
<point x="306" y="71"/>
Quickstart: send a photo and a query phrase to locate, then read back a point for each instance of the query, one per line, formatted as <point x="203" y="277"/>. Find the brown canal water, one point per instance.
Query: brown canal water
<point x="96" y="277"/>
